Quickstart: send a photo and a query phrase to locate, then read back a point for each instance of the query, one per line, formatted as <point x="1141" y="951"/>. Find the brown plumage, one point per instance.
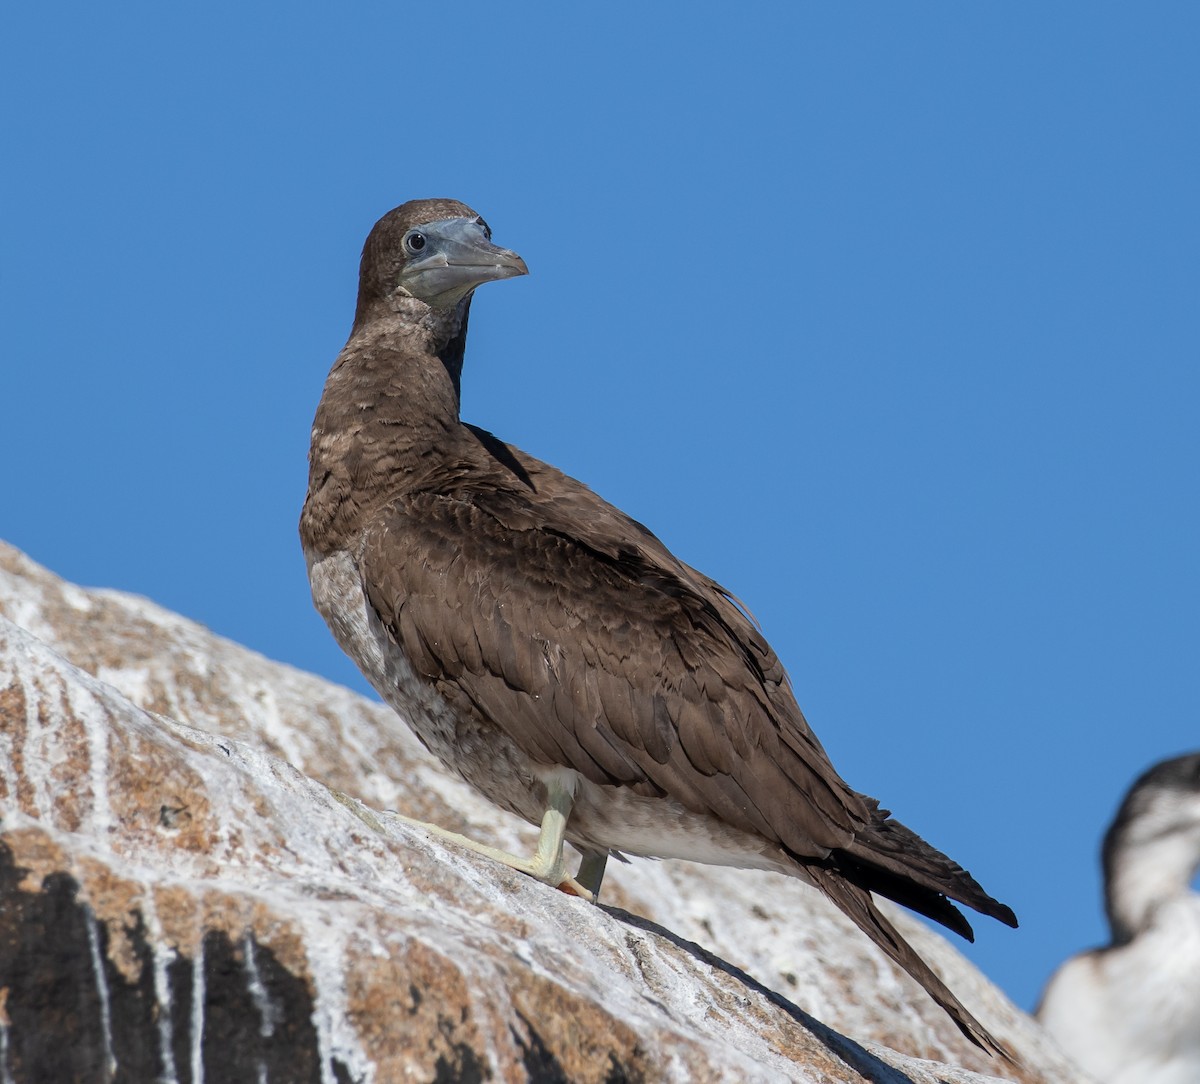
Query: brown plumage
<point x="543" y="644"/>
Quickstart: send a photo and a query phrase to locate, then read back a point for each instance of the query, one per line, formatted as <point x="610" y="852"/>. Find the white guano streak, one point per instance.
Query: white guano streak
<point x="162" y="986"/>
<point x="198" y="1014"/>
<point x="95" y="720"/>
<point x="102" y="992"/>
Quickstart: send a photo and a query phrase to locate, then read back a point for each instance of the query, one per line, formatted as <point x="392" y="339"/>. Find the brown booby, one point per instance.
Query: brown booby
<point x="1129" y="1013"/>
<point x="550" y="649"/>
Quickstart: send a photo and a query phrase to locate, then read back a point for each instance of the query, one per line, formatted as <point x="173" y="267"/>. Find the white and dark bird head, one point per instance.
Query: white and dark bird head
<point x="1151" y="851"/>
<point x="434" y="251"/>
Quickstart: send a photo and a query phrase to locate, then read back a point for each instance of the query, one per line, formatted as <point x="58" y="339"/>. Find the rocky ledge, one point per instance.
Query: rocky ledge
<point x="199" y="882"/>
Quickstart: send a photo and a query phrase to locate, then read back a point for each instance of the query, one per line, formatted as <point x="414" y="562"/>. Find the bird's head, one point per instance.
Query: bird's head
<point x="1164" y="801"/>
<point x="1152" y="847"/>
<point x="434" y="250"/>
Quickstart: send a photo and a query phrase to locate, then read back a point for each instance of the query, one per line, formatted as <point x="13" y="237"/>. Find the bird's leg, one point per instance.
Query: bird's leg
<point x="591" y="871"/>
<point x="547" y="862"/>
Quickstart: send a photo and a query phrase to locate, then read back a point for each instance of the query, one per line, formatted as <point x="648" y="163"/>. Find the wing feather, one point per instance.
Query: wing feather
<point x="613" y="659"/>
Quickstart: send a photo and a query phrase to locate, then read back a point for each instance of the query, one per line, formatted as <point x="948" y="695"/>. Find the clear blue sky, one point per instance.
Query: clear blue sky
<point x="883" y="315"/>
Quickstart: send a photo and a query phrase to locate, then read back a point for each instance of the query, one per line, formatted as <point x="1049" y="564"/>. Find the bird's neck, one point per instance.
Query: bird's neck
<point x="388" y="417"/>
<point x="1143" y="871"/>
<point x="403" y="327"/>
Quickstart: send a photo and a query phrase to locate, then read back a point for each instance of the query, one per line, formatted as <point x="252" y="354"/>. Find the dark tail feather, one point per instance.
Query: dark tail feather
<point x="857" y="904"/>
<point x="891" y="859"/>
<point x="902" y="890"/>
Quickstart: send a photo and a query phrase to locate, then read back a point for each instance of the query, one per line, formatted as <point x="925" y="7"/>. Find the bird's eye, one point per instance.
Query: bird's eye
<point x="415" y="241"/>
<point x="487" y="230"/>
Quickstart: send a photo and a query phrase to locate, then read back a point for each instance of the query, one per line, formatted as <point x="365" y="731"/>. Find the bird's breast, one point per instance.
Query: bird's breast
<point x="1129" y="1014"/>
<point x="462" y="741"/>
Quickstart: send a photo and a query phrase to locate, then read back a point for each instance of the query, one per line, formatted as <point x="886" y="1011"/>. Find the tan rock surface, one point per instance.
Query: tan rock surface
<point x="197" y="883"/>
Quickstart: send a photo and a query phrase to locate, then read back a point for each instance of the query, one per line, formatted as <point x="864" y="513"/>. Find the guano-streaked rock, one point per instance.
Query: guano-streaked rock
<point x="197" y="883"/>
